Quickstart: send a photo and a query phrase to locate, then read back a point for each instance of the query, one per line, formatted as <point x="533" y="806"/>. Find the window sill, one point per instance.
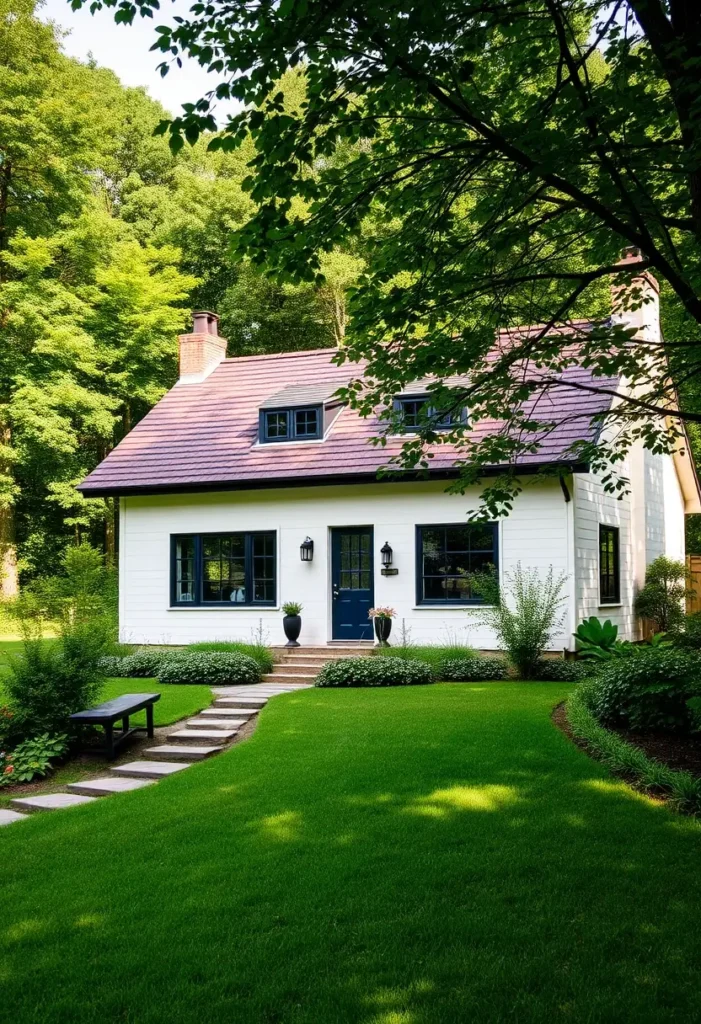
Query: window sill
<point x="613" y="604"/>
<point x="224" y="608"/>
<point x="442" y="607"/>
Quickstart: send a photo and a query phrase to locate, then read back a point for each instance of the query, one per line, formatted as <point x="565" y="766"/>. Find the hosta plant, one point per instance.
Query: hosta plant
<point x="31" y="759"/>
<point x="597" y="639"/>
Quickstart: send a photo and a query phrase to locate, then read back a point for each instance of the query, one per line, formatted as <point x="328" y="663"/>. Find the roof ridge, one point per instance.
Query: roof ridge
<point x="277" y="355"/>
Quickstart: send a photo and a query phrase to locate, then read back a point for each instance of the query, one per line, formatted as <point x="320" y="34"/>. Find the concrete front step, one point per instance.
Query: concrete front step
<point x="283" y="677"/>
<point x="296" y="668"/>
<point x="220" y="723"/>
<point x="51" y="801"/>
<point x="248" y="707"/>
<point x="149" y="769"/>
<point x="9" y="817"/>
<point x="105" y="787"/>
<point x="183" y="753"/>
<point x="203" y="734"/>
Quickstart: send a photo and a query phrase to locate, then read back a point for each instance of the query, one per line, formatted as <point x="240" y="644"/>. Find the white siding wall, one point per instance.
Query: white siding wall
<point x="536" y="533"/>
<point x="651" y="523"/>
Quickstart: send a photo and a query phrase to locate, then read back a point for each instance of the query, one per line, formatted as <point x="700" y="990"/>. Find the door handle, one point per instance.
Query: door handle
<point x="336" y="594"/>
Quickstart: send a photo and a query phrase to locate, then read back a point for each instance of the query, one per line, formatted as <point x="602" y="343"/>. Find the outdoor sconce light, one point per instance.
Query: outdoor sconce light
<point x="386" y="556"/>
<point x="306" y="549"/>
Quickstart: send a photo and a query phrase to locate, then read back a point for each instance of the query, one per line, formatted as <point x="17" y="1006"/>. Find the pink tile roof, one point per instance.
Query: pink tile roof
<point x="205" y="436"/>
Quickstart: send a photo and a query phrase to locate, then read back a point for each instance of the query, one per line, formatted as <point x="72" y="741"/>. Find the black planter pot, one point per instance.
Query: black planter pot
<point x="292" y="624"/>
<point x="383" y="628"/>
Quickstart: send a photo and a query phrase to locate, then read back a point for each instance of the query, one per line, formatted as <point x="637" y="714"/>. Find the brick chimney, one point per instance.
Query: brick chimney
<point x="201" y="351"/>
<point x="635" y="301"/>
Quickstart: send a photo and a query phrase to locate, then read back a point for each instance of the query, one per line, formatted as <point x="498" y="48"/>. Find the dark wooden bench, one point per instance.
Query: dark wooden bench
<point x="112" y="711"/>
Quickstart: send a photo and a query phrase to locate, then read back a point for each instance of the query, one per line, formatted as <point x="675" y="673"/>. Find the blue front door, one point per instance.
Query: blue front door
<point x="352" y="583"/>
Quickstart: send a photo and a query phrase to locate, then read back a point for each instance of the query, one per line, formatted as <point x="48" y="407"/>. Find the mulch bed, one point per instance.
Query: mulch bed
<point x="682" y="753"/>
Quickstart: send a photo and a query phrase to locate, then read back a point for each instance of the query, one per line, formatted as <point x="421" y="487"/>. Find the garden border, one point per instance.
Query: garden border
<point x="681" y="790"/>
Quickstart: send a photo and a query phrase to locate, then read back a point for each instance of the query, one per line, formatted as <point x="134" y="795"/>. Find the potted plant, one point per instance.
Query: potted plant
<point x="382" y="617"/>
<point x="292" y="622"/>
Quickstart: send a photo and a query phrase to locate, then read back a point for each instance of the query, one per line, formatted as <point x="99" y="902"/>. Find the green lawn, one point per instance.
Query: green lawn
<point x="403" y="856"/>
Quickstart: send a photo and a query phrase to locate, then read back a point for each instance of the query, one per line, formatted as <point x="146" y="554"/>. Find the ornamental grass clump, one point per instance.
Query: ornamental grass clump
<point x="213" y="669"/>
<point x="374" y="672"/>
<point x="525" y="618"/>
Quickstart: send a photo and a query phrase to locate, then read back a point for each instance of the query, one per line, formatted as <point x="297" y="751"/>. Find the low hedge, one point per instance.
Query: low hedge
<point x="374" y="672"/>
<point x="681" y="788"/>
<point x="474" y="669"/>
<point x="563" y="670"/>
<point x="142" y="664"/>
<point x="209" y="668"/>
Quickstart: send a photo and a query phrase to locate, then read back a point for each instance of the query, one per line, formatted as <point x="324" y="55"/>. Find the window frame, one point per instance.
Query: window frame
<point x="460" y="419"/>
<point x="615" y="531"/>
<point x="291" y="413"/>
<point x="198" y="575"/>
<point x="429" y="602"/>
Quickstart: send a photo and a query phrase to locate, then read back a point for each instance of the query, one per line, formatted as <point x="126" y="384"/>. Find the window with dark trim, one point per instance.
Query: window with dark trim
<point x="609" y="565"/>
<point x="230" y="569"/>
<point x="291" y="424"/>
<point x="417" y="412"/>
<point x="447" y="556"/>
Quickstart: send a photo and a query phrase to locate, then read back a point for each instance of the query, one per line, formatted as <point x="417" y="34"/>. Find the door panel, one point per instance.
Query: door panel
<point x="352" y="582"/>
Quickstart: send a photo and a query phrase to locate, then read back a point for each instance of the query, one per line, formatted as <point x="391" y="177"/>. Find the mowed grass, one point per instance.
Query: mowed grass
<point x="402" y="856"/>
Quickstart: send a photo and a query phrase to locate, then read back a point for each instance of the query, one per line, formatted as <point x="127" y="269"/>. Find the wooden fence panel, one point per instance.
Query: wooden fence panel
<point x="693" y="604"/>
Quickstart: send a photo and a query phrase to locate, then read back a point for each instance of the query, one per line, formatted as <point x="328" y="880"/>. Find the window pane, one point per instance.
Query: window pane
<point x="306" y="422"/>
<point x="211" y="547"/>
<point x="449" y="556"/>
<point x="185" y="547"/>
<point x="457" y="538"/>
<point x="413" y="412"/>
<point x="276" y="424"/>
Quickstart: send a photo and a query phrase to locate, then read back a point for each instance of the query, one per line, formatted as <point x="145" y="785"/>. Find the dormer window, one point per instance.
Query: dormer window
<point x="416" y="412"/>
<point x="290" y="424"/>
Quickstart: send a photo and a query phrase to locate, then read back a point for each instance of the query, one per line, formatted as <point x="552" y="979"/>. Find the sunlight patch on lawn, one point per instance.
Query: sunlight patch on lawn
<point x="610" y="788"/>
<point x="442" y="802"/>
<point x="283" y="827"/>
<point x="89" y="921"/>
<point x="27" y="929"/>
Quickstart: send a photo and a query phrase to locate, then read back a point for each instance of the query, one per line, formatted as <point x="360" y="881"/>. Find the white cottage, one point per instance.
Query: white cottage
<point x="250" y="485"/>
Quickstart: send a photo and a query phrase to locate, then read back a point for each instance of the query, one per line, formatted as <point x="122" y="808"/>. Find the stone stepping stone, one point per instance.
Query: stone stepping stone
<point x="149" y="769"/>
<point x="51" y="801"/>
<point x="105" y="787"/>
<point x="211" y="723"/>
<point x="217" y="712"/>
<point x="183" y="753"/>
<point x="203" y="734"/>
<point x="253" y="704"/>
<point x="8" y="817"/>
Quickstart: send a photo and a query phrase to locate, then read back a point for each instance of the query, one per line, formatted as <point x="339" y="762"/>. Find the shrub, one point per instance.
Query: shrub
<point x="597" y="639"/>
<point x="473" y="669"/>
<point x="53" y="679"/>
<point x="525" y="629"/>
<point x="562" y="670"/>
<point x="143" y="664"/>
<point x="648" y="691"/>
<point x="259" y="652"/>
<point x="32" y="758"/>
<point x="688" y="633"/>
<point x="433" y="656"/>
<point x="112" y="665"/>
<point x="373" y="672"/>
<point x="661" y="599"/>
<point x="214" y="668"/>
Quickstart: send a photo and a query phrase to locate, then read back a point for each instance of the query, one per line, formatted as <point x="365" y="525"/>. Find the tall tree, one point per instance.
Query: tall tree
<point x="512" y="149"/>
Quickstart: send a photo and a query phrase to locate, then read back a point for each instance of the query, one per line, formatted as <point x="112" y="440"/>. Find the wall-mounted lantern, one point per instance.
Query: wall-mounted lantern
<point x="386" y="556"/>
<point x="306" y="549"/>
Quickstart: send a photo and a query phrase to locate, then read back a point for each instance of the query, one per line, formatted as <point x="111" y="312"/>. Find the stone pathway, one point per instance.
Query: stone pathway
<point x="233" y="708"/>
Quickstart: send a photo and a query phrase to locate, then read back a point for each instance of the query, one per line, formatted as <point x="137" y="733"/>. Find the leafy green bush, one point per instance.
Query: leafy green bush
<point x="562" y="670"/>
<point x="263" y="655"/>
<point x="143" y="664"/>
<point x="525" y="625"/>
<point x="433" y="655"/>
<point x="32" y="758"/>
<point x="476" y="668"/>
<point x="85" y="587"/>
<point x="597" y="639"/>
<point x="683" y="789"/>
<point x="53" y="679"/>
<point x="648" y="691"/>
<point x="214" y="668"/>
<point x="688" y="632"/>
<point x="374" y="672"/>
<point x="662" y="598"/>
<point x="112" y="666"/>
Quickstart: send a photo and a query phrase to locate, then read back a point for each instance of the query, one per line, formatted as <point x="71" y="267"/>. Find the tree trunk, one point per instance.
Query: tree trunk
<point x="9" y="576"/>
<point x="110" y="549"/>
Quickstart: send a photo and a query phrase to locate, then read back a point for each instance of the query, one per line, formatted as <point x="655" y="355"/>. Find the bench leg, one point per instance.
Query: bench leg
<point x="109" y="740"/>
<point x="125" y="725"/>
<point x="149" y="721"/>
